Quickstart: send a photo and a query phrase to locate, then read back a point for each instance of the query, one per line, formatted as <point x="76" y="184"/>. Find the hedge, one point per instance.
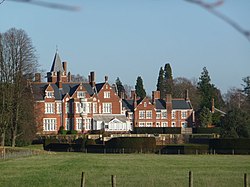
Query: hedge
<point x="157" y="130"/>
<point x="132" y="144"/>
<point x="185" y="149"/>
<point x="202" y="130"/>
<point x="227" y="146"/>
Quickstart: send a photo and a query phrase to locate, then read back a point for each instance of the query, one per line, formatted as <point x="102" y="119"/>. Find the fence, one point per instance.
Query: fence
<point x="190" y="180"/>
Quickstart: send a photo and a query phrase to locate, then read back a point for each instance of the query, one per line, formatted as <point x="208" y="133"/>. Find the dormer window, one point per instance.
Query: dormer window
<point x="81" y="94"/>
<point x="49" y="94"/>
<point x="106" y="94"/>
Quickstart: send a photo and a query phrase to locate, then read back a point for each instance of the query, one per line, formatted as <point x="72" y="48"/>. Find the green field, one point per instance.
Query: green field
<point x="64" y="169"/>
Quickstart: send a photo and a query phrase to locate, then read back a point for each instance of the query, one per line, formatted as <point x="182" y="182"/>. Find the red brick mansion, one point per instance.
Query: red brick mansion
<point x="86" y="106"/>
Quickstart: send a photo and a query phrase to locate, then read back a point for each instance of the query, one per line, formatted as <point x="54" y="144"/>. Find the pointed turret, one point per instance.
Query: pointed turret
<point x="57" y="66"/>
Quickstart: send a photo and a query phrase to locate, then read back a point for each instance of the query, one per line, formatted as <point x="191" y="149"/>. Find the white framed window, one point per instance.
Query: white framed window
<point x="81" y="94"/>
<point x="164" y="124"/>
<point x="184" y="114"/>
<point x="79" y="124"/>
<point x="94" y="108"/>
<point x="106" y="94"/>
<point x="149" y="114"/>
<point x="149" y="124"/>
<point x="158" y="115"/>
<point x="49" y="94"/>
<point x="49" y="108"/>
<point x="145" y="104"/>
<point x="164" y="114"/>
<point x="88" y="124"/>
<point x="49" y="124"/>
<point x="68" y="124"/>
<point x="78" y="107"/>
<point x="107" y="108"/>
<point x="141" y="114"/>
<point x="173" y="114"/>
<point x="59" y="108"/>
<point x="141" y="124"/>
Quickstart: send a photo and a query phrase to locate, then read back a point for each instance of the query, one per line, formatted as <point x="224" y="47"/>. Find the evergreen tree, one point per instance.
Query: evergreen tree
<point x="206" y="90"/>
<point x="205" y="117"/>
<point x="120" y="87"/>
<point x="236" y="124"/>
<point x="160" y="83"/>
<point x="168" y="80"/>
<point x="139" y="90"/>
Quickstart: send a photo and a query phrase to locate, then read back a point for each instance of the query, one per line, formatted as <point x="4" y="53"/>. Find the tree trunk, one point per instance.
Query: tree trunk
<point x="2" y="138"/>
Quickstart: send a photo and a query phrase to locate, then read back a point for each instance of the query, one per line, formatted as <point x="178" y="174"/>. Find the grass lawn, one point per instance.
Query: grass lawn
<point x="64" y="169"/>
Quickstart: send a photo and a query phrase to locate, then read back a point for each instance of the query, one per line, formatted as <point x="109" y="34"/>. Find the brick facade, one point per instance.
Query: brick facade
<point x="86" y="106"/>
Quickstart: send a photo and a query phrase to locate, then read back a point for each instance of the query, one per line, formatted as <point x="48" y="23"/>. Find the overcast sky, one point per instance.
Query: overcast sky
<point x="131" y="38"/>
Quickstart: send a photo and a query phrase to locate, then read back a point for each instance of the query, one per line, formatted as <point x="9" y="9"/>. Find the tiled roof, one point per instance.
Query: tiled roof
<point x="180" y="104"/>
<point x="177" y="104"/>
<point x="70" y="88"/>
<point x="57" y="64"/>
<point x="99" y="86"/>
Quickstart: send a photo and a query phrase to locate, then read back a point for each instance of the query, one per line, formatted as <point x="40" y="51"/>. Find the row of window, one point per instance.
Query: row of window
<point x="50" y="124"/>
<point x="147" y="114"/>
<point x="79" y="108"/>
<point x="80" y="94"/>
<point x="161" y="124"/>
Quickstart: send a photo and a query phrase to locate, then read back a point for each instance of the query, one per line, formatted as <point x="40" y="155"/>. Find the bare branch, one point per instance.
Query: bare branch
<point x="2" y="2"/>
<point x="210" y="7"/>
<point x="49" y="5"/>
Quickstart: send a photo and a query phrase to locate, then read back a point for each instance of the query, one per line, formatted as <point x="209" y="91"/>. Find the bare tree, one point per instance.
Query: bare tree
<point x="211" y="8"/>
<point x="18" y="64"/>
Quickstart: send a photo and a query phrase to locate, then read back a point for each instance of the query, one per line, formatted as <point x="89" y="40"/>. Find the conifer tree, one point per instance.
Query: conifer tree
<point x="160" y="83"/>
<point x="168" y="79"/>
<point x="206" y="89"/>
<point x="139" y="89"/>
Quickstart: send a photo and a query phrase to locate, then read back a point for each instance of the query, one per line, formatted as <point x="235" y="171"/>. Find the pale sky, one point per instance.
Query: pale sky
<point x="131" y="38"/>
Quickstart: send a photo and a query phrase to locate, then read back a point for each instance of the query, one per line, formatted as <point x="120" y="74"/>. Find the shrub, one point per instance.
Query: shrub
<point x="132" y="144"/>
<point x="157" y="130"/>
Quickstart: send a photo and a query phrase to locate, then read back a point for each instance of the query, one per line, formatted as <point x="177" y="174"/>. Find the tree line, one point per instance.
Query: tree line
<point x="18" y="62"/>
<point x="230" y="112"/>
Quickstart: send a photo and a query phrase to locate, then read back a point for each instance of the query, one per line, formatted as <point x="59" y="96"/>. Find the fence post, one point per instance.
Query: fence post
<point x="113" y="180"/>
<point x="83" y="180"/>
<point x="245" y="180"/>
<point x="190" y="179"/>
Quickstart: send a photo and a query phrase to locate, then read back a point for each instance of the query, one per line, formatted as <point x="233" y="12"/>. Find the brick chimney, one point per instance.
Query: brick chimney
<point x="64" y="64"/>
<point x="37" y="77"/>
<point x="106" y="78"/>
<point x="134" y="97"/>
<point x="69" y="77"/>
<point x="92" y="79"/>
<point x="187" y="95"/>
<point x="59" y="80"/>
<point x="155" y="95"/>
<point x="169" y="102"/>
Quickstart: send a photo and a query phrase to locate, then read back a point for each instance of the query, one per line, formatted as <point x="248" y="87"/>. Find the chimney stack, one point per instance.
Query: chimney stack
<point x="187" y="95"/>
<point x="64" y="64"/>
<point x="92" y="78"/>
<point x="155" y="95"/>
<point x="59" y="80"/>
<point x="106" y="78"/>
<point x="69" y="77"/>
<point x="169" y="103"/>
